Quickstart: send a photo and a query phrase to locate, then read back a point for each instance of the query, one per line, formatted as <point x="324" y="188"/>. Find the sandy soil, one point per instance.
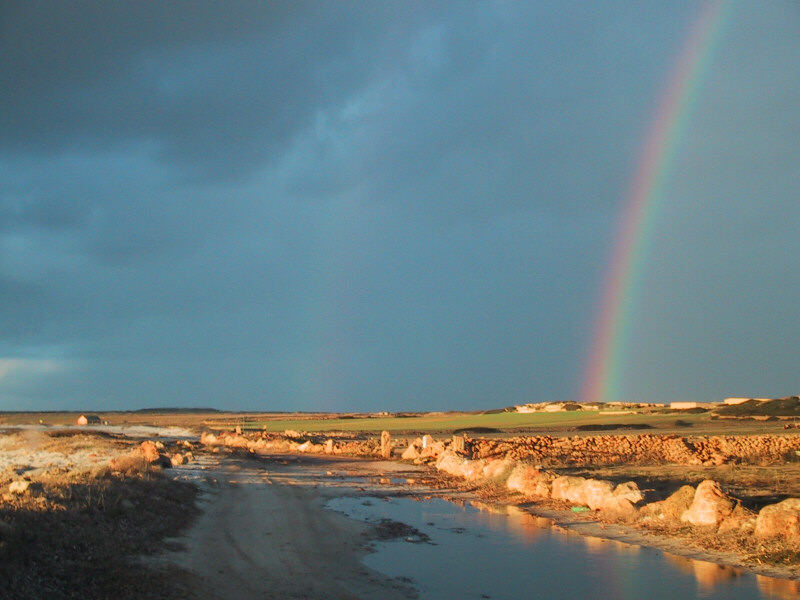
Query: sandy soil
<point x="264" y="531"/>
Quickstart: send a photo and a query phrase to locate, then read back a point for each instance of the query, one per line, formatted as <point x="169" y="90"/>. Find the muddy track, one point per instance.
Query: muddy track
<point x="264" y="533"/>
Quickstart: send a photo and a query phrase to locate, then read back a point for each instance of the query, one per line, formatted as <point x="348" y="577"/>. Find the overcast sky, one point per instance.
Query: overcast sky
<point x="386" y="205"/>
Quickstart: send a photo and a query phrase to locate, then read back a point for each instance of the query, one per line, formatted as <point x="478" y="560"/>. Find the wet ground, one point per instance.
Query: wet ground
<point x="469" y="553"/>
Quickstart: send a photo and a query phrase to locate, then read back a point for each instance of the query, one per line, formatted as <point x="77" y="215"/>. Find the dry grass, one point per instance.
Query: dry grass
<point x="77" y="535"/>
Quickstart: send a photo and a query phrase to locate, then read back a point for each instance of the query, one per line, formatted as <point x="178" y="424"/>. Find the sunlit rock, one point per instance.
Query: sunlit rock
<point x="709" y="506"/>
<point x="780" y="520"/>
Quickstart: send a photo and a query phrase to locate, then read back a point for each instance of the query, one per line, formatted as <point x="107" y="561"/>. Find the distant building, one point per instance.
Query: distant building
<point x="730" y="401"/>
<point x="88" y="420"/>
<point x="682" y="405"/>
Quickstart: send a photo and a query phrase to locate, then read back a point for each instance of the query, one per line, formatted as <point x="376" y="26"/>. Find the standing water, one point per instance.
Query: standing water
<point x="465" y="553"/>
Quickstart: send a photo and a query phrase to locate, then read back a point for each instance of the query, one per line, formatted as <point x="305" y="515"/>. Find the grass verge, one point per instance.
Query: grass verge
<point x="79" y="535"/>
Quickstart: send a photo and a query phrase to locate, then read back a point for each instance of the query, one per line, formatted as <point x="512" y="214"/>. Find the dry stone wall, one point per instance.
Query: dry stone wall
<point x="641" y="449"/>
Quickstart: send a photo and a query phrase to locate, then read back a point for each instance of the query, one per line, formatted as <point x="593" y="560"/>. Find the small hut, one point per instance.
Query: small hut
<point x="88" y="420"/>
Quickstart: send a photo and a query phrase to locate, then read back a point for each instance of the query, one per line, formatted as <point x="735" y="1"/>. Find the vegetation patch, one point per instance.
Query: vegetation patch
<point x="476" y="429"/>
<point x="612" y="426"/>
<point x="79" y="535"/>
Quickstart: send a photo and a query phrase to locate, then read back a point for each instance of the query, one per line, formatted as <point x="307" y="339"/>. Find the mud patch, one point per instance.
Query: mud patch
<point x="388" y="529"/>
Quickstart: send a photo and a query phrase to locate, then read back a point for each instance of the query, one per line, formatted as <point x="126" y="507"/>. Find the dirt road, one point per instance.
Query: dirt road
<point x="265" y="533"/>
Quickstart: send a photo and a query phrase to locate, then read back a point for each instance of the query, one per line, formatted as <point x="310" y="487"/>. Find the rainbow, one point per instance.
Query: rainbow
<point x="612" y="327"/>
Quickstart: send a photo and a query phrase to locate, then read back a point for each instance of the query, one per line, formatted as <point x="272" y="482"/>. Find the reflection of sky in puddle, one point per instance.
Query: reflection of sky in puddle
<point x="510" y="554"/>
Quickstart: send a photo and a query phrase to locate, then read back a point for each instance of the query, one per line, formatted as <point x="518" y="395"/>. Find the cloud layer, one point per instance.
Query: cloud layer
<point x="302" y="206"/>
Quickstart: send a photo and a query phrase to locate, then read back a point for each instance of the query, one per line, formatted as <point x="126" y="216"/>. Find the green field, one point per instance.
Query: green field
<point x="538" y="423"/>
<point x="449" y="422"/>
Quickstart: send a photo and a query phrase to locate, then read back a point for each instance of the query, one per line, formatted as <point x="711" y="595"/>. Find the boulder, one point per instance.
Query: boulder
<point x="617" y="503"/>
<point x="310" y="447"/>
<point x="780" y="520"/>
<point x="451" y="463"/>
<point x="629" y="491"/>
<point x="569" y="489"/>
<point x="149" y="451"/>
<point x="258" y="444"/>
<point x="128" y="463"/>
<point x="472" y="469"/>
<point x="177" y="459"/>
<point x="410" y="453"/>
<point x="530" y="481"/>
<point x="597" y="494"/>
<point x="19" y="487"/>
<point x="594" y="493"/>
<point x="671" y="509"/>
<point x="237" y="441"/>
<point x="619" y="508"/>
<point x="498" y="468"/>
<point x="208" y="439"/>
<point x="710" y="505"/>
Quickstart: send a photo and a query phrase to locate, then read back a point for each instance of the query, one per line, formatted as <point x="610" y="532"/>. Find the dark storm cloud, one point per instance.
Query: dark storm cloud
<point x="471" y="95"/>
<point x="217" y="87"/>
<point x="494" y="109"/>
<point x="375" y="205"/>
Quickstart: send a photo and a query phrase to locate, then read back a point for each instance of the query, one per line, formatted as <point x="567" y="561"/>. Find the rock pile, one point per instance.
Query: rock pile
<point x="423" y="449"/>
<point x="293" y="441"/>
<point x="641" y="449"/>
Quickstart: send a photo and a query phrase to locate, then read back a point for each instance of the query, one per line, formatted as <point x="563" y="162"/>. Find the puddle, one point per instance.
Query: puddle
<point x="509" y="554"/>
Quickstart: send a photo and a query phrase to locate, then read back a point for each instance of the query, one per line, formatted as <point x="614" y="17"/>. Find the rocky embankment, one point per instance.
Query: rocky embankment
<point x="603" y="450"/>
<point x="706" y="506"/>
<point x="524" y="466"/>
